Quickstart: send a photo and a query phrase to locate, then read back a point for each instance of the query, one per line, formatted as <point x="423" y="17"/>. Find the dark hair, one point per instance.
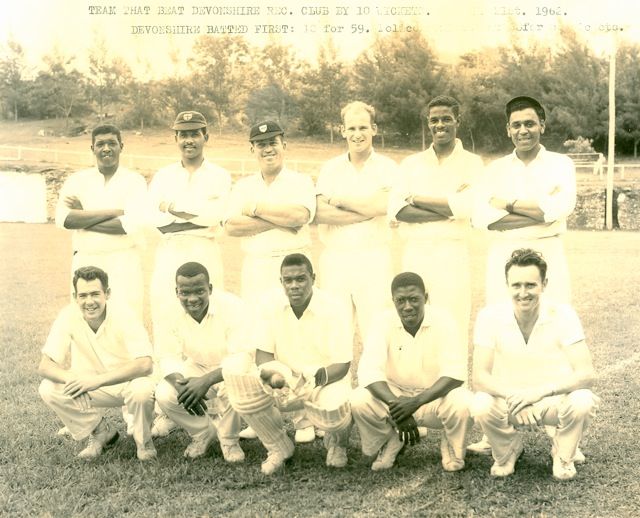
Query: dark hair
<point x="191" y="269"/>
<point x="103" y="129"/>
<point x="90" y="273"/>
<point x="522" y="103"/>
<point x="527" y="257"/>
<point x="445" y="100"/>
<point x="297" y="260"/>
<point x="407" y="279"/>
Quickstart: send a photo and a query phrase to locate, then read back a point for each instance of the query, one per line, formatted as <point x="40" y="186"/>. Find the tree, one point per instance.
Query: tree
<point x="398" y="75"/>
<point x="271" y="93"/>
<point x="12" y="84"/>
<point x="108" y="79"/>
<point x="578" y="90"/>
<point x="323" y="91"/>
<point x="60" y="90"/>
<point x="628" y="95"/>
<point x="220" y="68"/>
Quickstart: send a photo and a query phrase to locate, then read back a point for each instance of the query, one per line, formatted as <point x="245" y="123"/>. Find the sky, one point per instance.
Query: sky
<point x="453" y="27"/>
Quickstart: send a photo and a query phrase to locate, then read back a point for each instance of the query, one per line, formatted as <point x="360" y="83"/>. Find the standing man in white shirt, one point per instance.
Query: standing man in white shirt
<point x="304" y="351"/>
<point x="352" y="197"/>
<point x="532" y="368"/>
<point x="100" y="206"/>
<point x="271" y="211"/>
<point x="187" y="204"/>
<point x="433" y="199"/>
<point x="411" y="372"/>
<point x="211" y="326"/>
<point x="187" y="201"/>
<point x="524" y="200"/>
<point x="98" y="355"/>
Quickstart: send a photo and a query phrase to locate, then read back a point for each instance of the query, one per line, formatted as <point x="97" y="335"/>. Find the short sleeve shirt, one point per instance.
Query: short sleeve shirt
<point x="121" y="338"/>
<point x="542" y="359"/>
<point x="321" y="337"/>
<point x="223" y="331"/>
<point x="392" y="354"/>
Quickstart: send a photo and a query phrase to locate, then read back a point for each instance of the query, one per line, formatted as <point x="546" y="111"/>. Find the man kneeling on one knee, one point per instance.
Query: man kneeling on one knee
<point x="410" y="374"/>
<point x="303" y="355"/>
<point x="531" y="368"/>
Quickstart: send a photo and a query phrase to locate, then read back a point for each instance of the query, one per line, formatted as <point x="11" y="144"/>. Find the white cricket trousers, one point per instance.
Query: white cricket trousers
<point x="443" y="265"/>
<point x="569" y="413"/>
<point x="229" y="424"/>
<point x="261" y="273"/>
<point x="172" y="252"/>
<point x="124" y="268"/>
<point x="552" y="249"/>
<point x="136" y="395"/>
<point x="362" y="278"/>
<point x="449" y="413"/>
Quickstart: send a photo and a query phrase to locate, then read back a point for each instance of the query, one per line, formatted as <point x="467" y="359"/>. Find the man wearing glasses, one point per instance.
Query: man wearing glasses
<point x="410" y="374"/>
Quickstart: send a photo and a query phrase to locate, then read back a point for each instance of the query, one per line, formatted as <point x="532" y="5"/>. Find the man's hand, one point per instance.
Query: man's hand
<point x="529" y="417"/>
<point x="73" y="202"/>
<point x="403" y="408"/>
<point x="192" y="393"/>
<point x="79" y="386"/>
<point x="249" y="209"/>
<point x="408" y="431"/>
<point x="523" y="398"/>
<point x="498" y="203"/>
<point x="165" y="206"/>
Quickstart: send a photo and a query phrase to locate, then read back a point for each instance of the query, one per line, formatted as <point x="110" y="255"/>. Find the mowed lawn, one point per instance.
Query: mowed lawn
<point x="40" y="476"/>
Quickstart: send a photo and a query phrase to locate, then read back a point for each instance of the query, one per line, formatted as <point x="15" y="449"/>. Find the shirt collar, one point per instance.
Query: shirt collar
<point x="431" y="152"/>
<point x="540" y="156"/>
<point x="371" y="156"/>
<point x="311" y="308"/>
<point x="427" y="321"/>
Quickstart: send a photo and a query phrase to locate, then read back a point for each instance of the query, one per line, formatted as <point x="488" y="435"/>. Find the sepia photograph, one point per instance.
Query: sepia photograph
<point x="319" y="258"/>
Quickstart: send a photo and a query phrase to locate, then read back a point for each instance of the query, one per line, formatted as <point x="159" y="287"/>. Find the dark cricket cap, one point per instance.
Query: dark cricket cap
<point x="521" y="102"/>
<point x="189" y="120"/>
<point x="265" y="130"/>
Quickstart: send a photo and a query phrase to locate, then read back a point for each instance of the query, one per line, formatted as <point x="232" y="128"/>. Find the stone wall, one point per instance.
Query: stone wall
<point x="591" y="209"/>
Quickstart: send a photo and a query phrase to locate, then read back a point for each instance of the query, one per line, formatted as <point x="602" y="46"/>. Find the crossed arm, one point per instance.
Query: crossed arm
<point x="402" y="408"/>
<point x="522" y="213"/>
<point x="344" y="210"/>
<point x="260" y="217"/>
<point x="105" y="221"/>
<point x="424" y="209"/>
<point x="78" y="385"/>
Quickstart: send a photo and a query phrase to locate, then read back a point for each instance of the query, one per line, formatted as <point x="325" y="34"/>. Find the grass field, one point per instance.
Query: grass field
<point x="40" y="476"/>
